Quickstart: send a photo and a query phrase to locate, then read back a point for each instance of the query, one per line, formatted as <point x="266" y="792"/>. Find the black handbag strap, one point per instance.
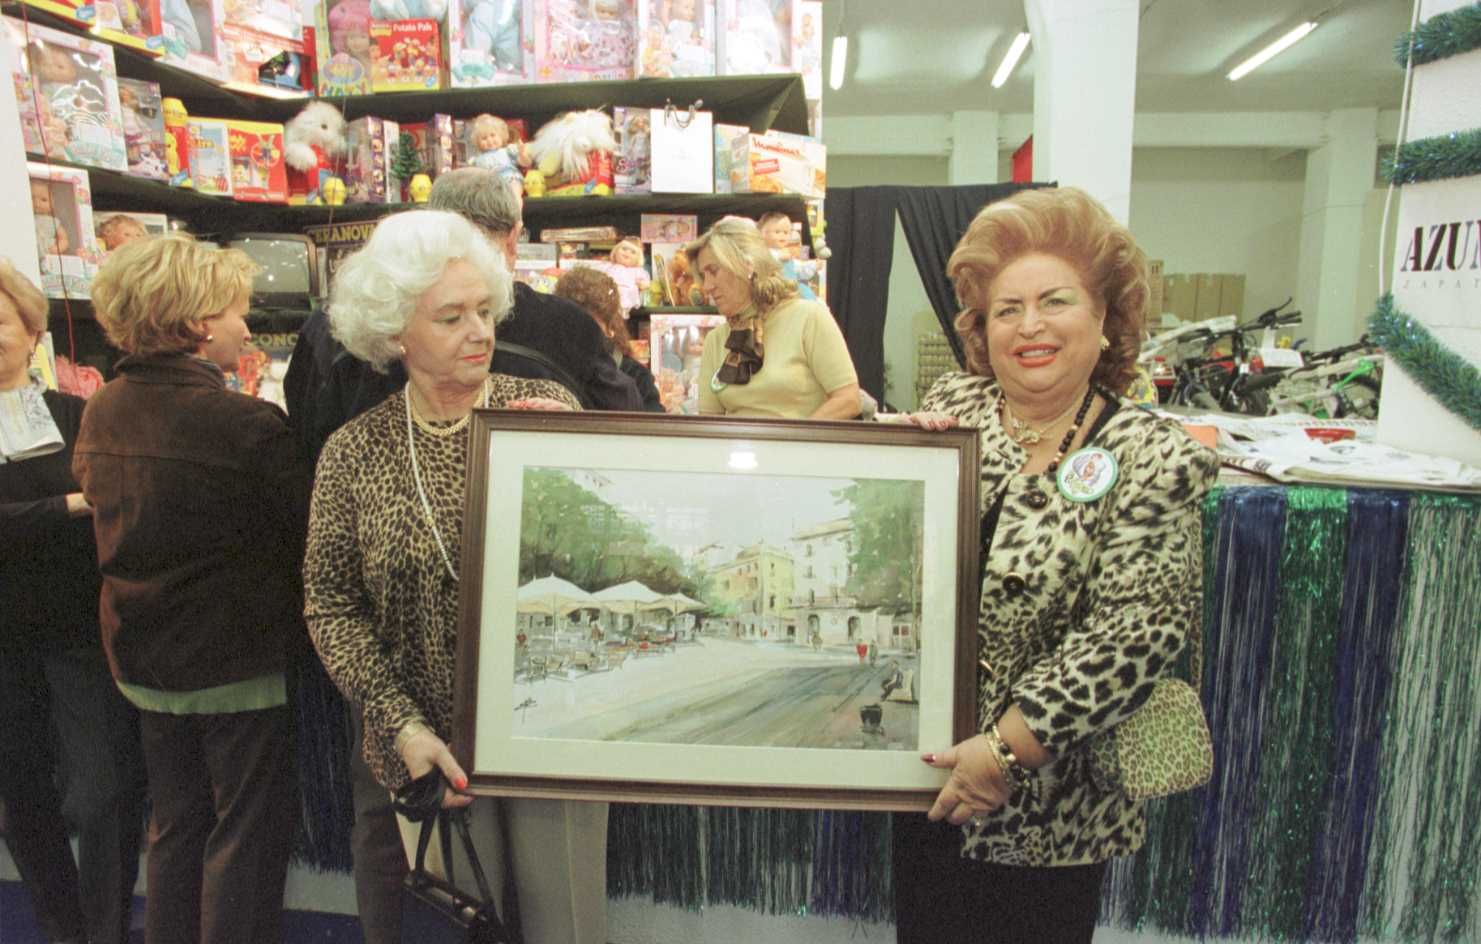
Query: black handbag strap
<point x="558" y="373"/>
<point x="445" y="822"/>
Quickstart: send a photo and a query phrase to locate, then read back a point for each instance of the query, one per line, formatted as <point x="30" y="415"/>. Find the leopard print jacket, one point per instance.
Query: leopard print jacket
<point x="1083" y="608"/>
<point x="381" y="607"/>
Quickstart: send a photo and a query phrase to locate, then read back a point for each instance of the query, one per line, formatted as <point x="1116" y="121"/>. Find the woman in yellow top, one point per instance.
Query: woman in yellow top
<point x="777" y="355"/>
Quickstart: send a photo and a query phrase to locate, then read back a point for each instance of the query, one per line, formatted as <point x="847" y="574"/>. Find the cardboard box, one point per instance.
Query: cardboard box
<point x="1182" y="296"/>
<point x="778" y="162"/>
<point x="1155" y="292"/>
<point x="577" y="42"/>
<point x="633" y="165"/>
<point x="67" y="95"/>
<point x="210" y="156"/>
<point x="755" y="37"/>
<point x="343" y="47"/>
<point x="725" y="138"/>
<point x="258" y="170"/>
<point x="1206" y="303"/>
<point x="62" y="211"/>
<point x="143" y="128"/>
<point x="407" y="56"/>
<point x="1231" y="296"/>
<point x="486" y="46"/>
<point x="676" y="39"/>
<point x="368" y="177"/>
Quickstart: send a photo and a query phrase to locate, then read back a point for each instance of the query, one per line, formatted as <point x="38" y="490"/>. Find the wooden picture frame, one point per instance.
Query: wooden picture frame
<point x="800" y="668"/>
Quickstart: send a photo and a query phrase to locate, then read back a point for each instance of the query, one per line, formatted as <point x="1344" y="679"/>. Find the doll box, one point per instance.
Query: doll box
<point x="406" y="56"/>
<point x="126" y="22"/>
<point x="143" y="128"/>
<point x="342" y="47"/>
<point x="807" y="46"/>
<point x="62" y="208"/>
<point x="668" y="227"/>
<point x="246" y="51"/>
<point x="190" y="35"/>
<point x="755" y="36"/>
<point x="725" y="138"/>
<point x="490" y="42"/>
<point x="210" y="156"/>
<point x="67" y="95"/>
<point x="633" y="162"/>
<point x="116" y="229"/>
<point x="584" y="40"/>
<point x="778" y="162"/>
<point x="676" y="38"/>
<point x="434" y="143"/>
<point x="258" y="170"/>
<point x="368" y="149"/>
<point x="280" y="18"/>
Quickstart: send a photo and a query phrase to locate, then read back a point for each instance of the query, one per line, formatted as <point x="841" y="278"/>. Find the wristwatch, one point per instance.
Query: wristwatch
<point x="1015" y="773"/>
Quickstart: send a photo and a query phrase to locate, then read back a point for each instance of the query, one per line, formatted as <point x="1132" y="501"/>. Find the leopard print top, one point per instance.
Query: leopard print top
<point x="1083" y="608"/>
<point x="381" y="607"/>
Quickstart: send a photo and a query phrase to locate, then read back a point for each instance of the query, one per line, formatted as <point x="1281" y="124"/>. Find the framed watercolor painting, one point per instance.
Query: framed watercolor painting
<point x="742" y="612"/>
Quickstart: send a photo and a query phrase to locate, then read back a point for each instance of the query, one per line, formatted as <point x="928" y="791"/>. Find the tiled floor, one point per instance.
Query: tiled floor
<point x="18" y="926"/>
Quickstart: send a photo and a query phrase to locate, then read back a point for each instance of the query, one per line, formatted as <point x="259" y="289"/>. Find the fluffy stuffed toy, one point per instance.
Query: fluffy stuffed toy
<point x="561" y="147"/>
<point x="312" y="144"/>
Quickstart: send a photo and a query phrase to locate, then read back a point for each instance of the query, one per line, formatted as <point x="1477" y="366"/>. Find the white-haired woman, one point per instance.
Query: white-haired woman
<point x="381" y="570"/>
<point x="777" y="354"/>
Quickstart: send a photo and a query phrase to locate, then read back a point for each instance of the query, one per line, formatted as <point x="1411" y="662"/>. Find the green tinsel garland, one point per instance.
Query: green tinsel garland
<point x="1422" y="874"/>
<point x="1442" y="157"/>
<point x="1440" y="37"/>
<point x="1441" y="372"/>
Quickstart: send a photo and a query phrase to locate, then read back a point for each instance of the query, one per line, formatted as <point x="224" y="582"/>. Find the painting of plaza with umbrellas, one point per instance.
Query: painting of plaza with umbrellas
<point x="676" y="607"/>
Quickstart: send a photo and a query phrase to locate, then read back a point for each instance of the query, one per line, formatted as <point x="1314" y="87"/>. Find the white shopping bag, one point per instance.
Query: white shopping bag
<point x="683" y="150"/>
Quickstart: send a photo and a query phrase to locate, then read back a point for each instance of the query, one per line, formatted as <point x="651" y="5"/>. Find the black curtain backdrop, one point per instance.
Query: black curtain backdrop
<point x="861" y="233"/>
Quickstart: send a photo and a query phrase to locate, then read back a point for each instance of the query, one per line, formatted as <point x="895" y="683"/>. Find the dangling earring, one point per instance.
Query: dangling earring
<point x="402" y="349"/>
<point x="210" y="338"/>
<point x="1105" y="343"/>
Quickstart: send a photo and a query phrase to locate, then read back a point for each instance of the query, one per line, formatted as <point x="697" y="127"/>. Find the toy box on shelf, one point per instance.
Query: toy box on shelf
<point x="673" y="280"/>
<point x="190" y="35"/>
<point x="434" y="143"/>
<point x="368" y="176"/>
<point x="126" y="22"/>
<point x="632" y="171"/>
<point x="581" y="40"/>
<point x="668" y="227"/>
<point x="210" y="156"/>
<point x="755" y="36"/>
<point x="407" y="56"/>
<point x="807" y="47"/>
<point x="490" y="42"/>
<point x="725" y="138"/>
<point x="676" y="38"/>
<point x="116" y="229"/>
<point x="281" y="18"/>
<point x="247" y="52"/>
<point x="596" y="182"/>
<point x="343" y="44"/>
<point x="778" y="162"/>
<point x="675" y="345"/>
<point x="143" y="128"/>
<point x="67" y="94"/>
<point x="334" y="242"/>
<point x="258" y="171"/>
<point x="62" y="208"/>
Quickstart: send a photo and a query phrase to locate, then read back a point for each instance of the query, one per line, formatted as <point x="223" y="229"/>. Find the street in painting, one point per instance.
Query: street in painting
<point x="742" y="610"/>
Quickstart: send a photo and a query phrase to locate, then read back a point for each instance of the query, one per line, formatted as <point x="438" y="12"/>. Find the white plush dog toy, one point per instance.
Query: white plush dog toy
<point x="561" y="147"/>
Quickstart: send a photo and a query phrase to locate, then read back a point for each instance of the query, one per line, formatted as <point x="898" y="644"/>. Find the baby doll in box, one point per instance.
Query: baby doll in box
<point x="51" y="235"/>
<point x="625" y="266"/>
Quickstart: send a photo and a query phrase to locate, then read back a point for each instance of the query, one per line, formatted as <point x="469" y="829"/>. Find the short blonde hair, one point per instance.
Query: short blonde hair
<point x="740" y="250"/>
<point x="1068" y="223"/>
<point x="151" y="295"/>
<point x="375" y="289"/>
<point x="25" y="296"/>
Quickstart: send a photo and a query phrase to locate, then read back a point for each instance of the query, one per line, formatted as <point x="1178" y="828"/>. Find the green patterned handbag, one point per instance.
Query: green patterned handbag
<point x="1164" y="747"/>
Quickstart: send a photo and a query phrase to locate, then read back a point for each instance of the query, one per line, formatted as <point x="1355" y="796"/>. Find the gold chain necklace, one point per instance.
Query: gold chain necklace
<point x="443" y="429"/>
<point x="416" y="471"/>
<point x="1024" y="434"/>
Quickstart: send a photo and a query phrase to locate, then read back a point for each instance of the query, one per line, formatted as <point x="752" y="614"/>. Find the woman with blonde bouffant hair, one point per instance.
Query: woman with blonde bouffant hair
<point x="200" y="506"/>
<point x="777" y="354"/>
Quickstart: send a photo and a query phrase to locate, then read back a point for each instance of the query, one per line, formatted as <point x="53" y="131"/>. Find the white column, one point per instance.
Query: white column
<point x="1339" y="176"/>
<point x="974" y="148"/>
<point x="1085" y="95"/>
<point x="17" y="243"/>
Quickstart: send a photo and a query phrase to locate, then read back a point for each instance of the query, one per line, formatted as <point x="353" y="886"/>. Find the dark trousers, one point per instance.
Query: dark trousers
<point x="942" y="898"/>
<point x="378" y="857"/>
<point x="96" y="752"/>
<point x="225" y="794"/>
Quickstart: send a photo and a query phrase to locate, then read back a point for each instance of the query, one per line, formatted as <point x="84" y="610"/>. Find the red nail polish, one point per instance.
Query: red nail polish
<point x="461" y="783"/>
<point x="928" y="758"/>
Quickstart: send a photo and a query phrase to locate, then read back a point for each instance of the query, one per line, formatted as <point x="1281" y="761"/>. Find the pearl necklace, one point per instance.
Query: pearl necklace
<point x="416" y="471"/>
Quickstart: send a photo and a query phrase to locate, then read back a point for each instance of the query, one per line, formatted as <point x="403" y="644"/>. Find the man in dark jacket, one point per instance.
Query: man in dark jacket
<point x="544" y="337"/>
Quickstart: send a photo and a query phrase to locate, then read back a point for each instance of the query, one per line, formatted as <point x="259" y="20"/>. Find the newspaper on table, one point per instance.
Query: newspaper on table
<point x="26" y="426"/>
<point x="1280" y="448"/>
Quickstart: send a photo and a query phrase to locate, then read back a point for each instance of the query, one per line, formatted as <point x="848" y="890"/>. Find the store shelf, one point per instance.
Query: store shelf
<point x="760" y="102"/>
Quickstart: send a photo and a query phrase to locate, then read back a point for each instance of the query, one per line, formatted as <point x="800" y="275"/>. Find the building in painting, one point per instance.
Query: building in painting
<point x="758" y="585"/>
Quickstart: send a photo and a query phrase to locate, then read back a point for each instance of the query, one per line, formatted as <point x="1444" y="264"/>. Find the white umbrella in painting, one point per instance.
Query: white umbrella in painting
<point x="683" y="604"/>
<point x="626" y="597"/>
<point x="553" y="597"/>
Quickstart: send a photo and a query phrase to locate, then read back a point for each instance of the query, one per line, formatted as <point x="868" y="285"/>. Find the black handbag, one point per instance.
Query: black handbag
<point x="434" y="910"/>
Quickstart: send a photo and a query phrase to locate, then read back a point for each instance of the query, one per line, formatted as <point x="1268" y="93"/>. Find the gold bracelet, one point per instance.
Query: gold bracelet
<point x="1013" y="772"/>
<point x="997" y="756"/>
<point x="410" y="730"/>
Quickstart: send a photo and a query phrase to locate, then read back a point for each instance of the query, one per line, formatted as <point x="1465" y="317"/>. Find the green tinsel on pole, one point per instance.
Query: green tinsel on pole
<point x="1442" y="373"/>
<point x="1295" y="760"/>
<point x="1440" y="37"/>
<point x="1422" y="863"/>
<point x="1442" y="157"/>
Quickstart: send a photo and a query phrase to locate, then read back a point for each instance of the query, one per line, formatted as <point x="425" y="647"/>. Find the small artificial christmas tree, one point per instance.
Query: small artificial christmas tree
<point x="407" y="161"/>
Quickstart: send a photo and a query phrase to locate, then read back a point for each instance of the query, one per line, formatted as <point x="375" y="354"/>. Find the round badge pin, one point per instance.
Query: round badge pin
<point x="1087" y="474"/>
<point x="716" y="384"/>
